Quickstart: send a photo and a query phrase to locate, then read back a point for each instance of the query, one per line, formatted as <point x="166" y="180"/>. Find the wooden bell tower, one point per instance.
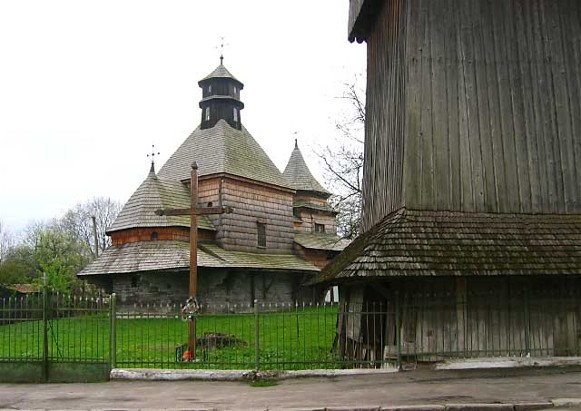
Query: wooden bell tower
<point x="221" y="98"/>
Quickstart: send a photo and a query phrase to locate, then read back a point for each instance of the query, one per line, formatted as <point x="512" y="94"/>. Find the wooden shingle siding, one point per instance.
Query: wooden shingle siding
<point x="133" y="235"/>
<point x="309" y="219"/>
<point x="253" y="203"/>
<point x="480" y="100"/>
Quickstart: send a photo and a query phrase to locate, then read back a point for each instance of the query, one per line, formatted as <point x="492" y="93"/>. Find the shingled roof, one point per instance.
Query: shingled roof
<point x="220" y="72"/>
<point x="175" y="255"/>
<point x="155" y="193"/>
<point x="442" y="243"/>
<point x="222" y="149"/>
<point x="317" y="241"/>
<point x="298" y="175"/>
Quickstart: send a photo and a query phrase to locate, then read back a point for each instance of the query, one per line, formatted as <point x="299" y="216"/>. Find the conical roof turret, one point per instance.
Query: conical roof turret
<point x="299" y="177"/>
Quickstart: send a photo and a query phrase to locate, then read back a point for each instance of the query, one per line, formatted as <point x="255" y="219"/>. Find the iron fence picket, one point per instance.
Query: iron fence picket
<point x="426" y="328"/>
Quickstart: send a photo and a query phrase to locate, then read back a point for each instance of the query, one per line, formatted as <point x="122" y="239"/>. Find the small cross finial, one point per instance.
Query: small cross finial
<point x="153" y="154"/>
<point x="222" y="49"/>
<point x="296" y="139"/>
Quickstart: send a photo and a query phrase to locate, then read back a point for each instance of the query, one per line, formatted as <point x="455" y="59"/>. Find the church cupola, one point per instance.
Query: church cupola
<point x="221" y="98"/>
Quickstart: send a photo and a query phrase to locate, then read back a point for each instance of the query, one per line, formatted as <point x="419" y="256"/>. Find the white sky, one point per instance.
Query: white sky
<point x="86" y="87"/>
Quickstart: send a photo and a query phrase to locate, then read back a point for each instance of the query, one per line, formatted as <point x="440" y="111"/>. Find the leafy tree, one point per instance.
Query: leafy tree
<point x="59" y="248"/>
<point x="343" y="162"/>
<point x="57" y="254"/>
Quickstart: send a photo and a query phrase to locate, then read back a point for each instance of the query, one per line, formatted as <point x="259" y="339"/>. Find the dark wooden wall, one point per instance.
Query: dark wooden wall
<point x="474" y="105"/>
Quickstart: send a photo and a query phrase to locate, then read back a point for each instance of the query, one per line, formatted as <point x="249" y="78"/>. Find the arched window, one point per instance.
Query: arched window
<point x="235" y="112"/>
<point x="207" y="113"/>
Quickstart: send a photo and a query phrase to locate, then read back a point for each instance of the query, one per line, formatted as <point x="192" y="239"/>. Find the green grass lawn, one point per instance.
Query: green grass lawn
<point x="294" y="339"/>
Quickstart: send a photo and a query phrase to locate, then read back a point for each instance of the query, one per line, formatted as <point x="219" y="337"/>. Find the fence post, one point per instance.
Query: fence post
<point x="44" y="328"/>
<point x="398" y="330"/>
<point x="256" y="337"/>
<point x="113" y="331"/>
<point x="527" y="323"/>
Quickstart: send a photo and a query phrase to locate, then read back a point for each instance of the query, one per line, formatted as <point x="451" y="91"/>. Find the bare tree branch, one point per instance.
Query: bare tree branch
<point x="343" y="162"/>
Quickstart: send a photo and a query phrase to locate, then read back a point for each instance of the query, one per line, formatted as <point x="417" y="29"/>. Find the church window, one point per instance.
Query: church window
<point x="210" y="88"/>
<point x="319" y="228"/>
<point x="235" y="115"/>
<point x="235" y="90"/>
<point x="207" y="113"/>
<point x="154" y="236"/>
<point x="261" y="234"/>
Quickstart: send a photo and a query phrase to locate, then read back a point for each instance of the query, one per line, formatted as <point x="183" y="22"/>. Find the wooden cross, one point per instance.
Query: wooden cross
<point x="194" y="211"/>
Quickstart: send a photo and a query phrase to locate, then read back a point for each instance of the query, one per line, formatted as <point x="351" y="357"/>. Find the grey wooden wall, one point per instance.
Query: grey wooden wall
<point x="474" y="105"/>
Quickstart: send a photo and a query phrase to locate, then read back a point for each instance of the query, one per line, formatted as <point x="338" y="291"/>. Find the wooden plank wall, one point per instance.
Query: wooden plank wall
<point x="254" y="203"/>
<point x="480" y="100"/>
<point x="384" y="127"/>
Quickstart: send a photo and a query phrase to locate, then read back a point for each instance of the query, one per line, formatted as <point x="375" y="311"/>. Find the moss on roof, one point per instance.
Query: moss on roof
<point x="169" y="255"/>
<point x="155" y="193"/>
<point x="316" y="241"/>
<point x="222" y="149"/>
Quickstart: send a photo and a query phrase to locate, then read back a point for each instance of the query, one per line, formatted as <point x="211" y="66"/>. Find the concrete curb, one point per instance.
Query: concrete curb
<point x="518" y="406"/>
<point x="150" y="374"/>
<point x="504" y="362"/>
<point x="567" y="402"/>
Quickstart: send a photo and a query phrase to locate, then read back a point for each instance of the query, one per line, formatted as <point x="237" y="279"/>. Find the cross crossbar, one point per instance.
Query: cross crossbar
<point x="194" y="211"/>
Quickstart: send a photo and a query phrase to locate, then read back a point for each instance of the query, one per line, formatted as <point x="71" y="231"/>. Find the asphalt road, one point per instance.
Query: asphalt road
<point x="419" y="387"/>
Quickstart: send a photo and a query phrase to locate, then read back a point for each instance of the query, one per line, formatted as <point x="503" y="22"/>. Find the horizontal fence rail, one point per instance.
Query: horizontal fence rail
<point x="266" y="336"/>
<point x="407" y="329"/>
<point x="55" y="337"/>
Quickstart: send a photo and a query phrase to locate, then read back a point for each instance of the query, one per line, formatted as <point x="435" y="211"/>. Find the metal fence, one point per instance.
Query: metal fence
<point x="54" y="337"/>
<point x="50" y="332"/>
<point x="259" y="336"/>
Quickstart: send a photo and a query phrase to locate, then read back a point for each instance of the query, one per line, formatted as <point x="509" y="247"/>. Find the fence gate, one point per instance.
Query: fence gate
<point x="51" y="337"/>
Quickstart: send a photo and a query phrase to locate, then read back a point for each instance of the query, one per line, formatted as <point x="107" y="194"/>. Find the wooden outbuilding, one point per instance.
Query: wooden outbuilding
<point x="472" y="182"/>
<point x="249" y="254"/>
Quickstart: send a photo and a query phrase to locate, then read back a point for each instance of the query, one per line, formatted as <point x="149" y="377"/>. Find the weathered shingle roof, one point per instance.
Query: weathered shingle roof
<point x="441" y="243"/>
<point x="155" y="193"/>
<point x="222" y="149"/>
<point x="172" y="255"/>
<point x="220" y="72"/>
<point x="325" y="208"/>
<point x="146" y="256"/>
<point x="298" y="175"/>
<point x="316" y="241"/>
<point x="239" y="259"/>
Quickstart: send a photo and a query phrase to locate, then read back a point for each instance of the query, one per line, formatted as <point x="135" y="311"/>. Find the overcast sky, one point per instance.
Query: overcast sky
<point x="86" y="87"/>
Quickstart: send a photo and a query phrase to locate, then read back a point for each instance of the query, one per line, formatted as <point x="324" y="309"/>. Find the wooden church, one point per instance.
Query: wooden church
<point x="280" y="233"/>
<point x="472" y="181"/>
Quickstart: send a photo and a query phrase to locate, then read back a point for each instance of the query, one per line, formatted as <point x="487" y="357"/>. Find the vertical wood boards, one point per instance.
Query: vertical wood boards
<point x="474" y="105"/>
<point x="385" y="128"/>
